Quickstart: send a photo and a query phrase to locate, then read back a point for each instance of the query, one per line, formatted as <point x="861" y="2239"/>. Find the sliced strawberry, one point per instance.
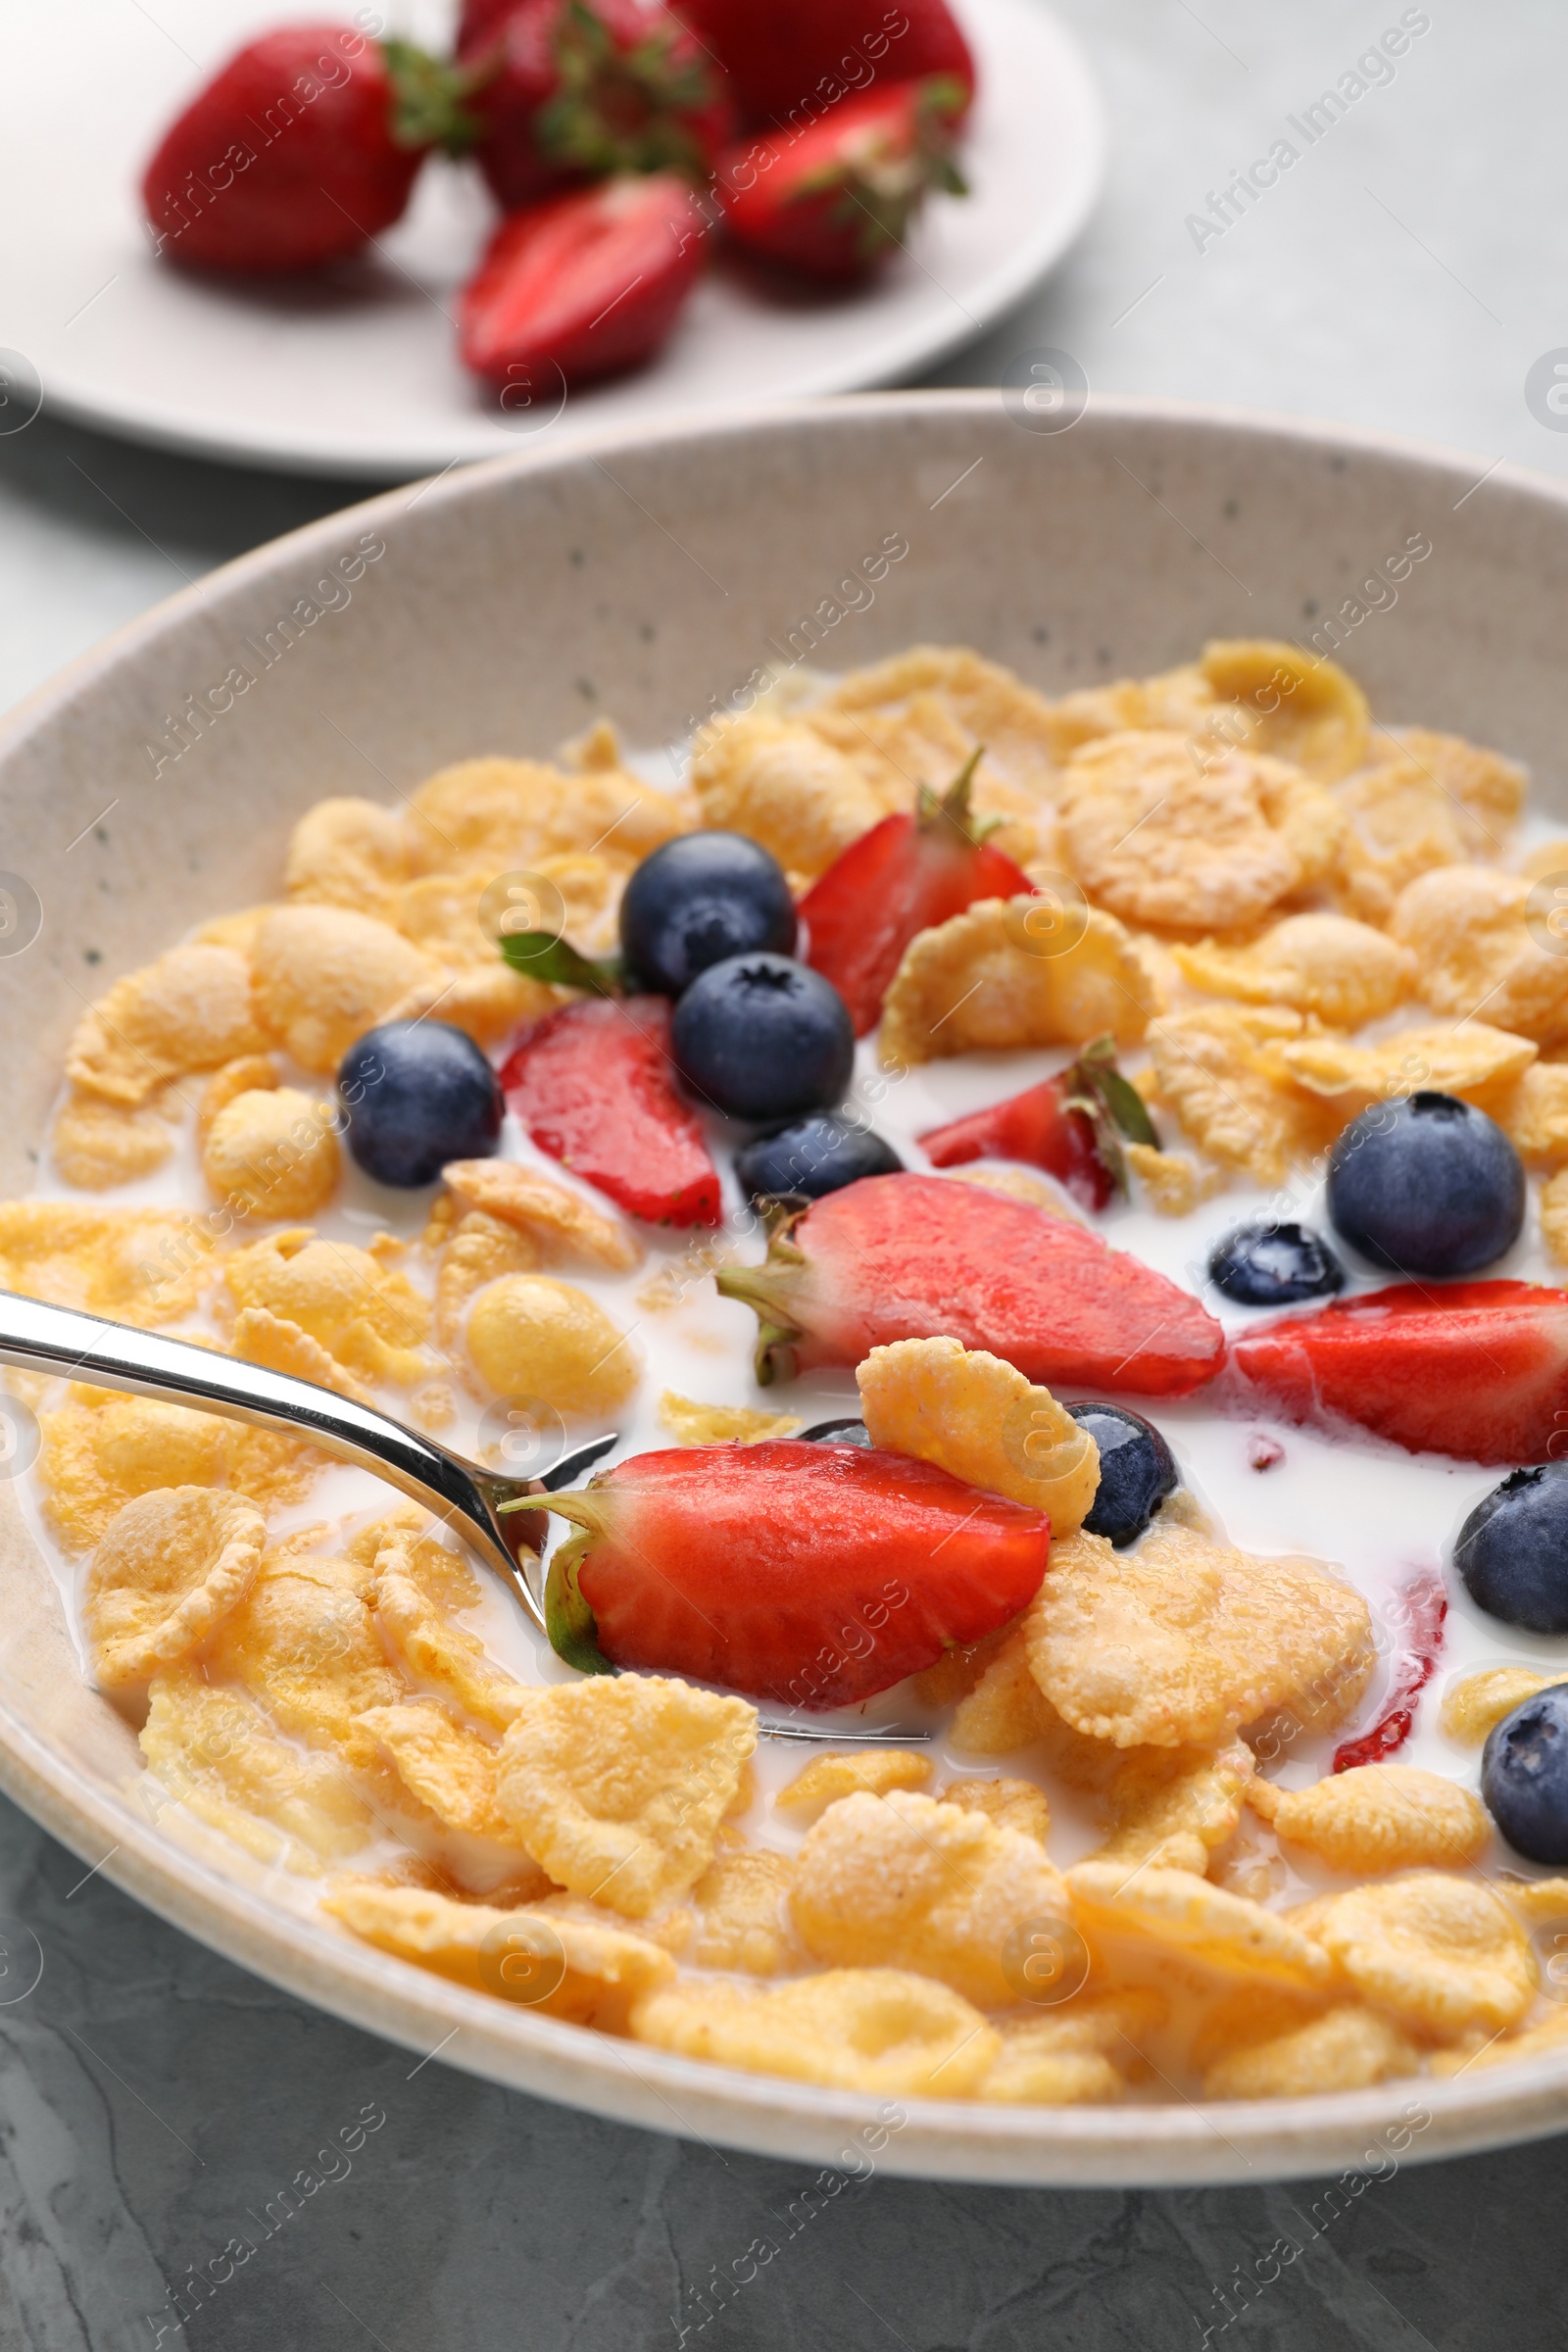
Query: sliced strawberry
<point x="907" y="873"/>
<point x="1066" y="1125"/>
<point x="790" y="59"/>
<point x="594" y="1086"/>
<point x="916" y="1258"/>
<point x="1474" y="1369"/>
<point x="585" y="284"/>
<point x="836" y="198"/>
<point x="813" y="1575"/>
<point x="1419" y="1609"/>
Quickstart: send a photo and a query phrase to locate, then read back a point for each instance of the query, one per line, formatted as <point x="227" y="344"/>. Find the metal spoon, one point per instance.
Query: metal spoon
<point x="35" y="1337"/>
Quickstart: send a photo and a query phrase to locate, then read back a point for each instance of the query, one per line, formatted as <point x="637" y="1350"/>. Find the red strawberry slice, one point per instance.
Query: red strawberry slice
<point x="594" y="1086"/>
<point x="1478" y="1370"/>
<point x="582" y="286"/>
<point x="916" y="1258"/>
<point x="907" y="874"/>
<point x="789" y="59"/>
<point x="1036" y="1126"/>
<point x="813" y="1575"/>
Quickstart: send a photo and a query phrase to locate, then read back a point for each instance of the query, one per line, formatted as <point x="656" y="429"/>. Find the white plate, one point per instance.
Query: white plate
<point x="360" y="376"/>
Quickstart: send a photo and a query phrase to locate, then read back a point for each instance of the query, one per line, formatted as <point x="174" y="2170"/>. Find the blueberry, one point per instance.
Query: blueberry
<point x="417" y="1094"/>
<point x="1514" y="1550"/>
<point x="1429" y="1185"/>
<point x="699" y="899"/>
<point x="1524" y="1775"/>
<point x="837" y="1433"/>
<point x="812" y="1156"/>
<point x="764" y="1038"/>
<point x="1264" y="1264"/>
<point x="1137" y="1471"/>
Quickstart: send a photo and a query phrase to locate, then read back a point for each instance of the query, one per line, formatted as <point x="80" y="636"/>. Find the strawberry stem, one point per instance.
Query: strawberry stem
<point x="952" y="808"/>
<point x="767" y="1289"/>
<point x="569" y="1620"/>
<point x="428" y="99"/>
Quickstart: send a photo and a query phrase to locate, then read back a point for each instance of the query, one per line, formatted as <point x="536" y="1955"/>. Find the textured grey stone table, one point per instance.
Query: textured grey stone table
<point x="1405" y="271"/>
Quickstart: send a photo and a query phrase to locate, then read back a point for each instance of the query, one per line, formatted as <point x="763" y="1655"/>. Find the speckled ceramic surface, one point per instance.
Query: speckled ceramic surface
<point x="499" y="609"/>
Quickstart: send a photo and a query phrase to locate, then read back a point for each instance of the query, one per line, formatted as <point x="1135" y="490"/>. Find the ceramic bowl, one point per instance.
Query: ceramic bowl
<point x="650" y="576"/>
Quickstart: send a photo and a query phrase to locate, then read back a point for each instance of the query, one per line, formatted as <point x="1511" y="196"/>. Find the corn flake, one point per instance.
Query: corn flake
<point x="1077" y="2055"/>
<point x="1001" y="1710"/>
<point x="878" y="2030"/>
<point x="134" y="1265"/>
<point x="1347" y="2048"/>
<point x="1475" y="1704"/>
<point x="1182" y="1639"/>
<point x="1182" y="1913"/>
<point x="551" y="1213"/>
<point x="218" y="1753"/>
<point x="692" y="1424"/>
<point x="191" y="1010"/>
<point x="1399" y="824"/>
<point x="950" y="689"/>
<point x="529" y="1335"/>
<point x="170" y="1567"/>
<point x="1469" y="1058"/>
<point x="451" y="1771"/>
<point x="1173" y="1182"/>
<point x="273" y="1153"/>
<point x="780" y="783"/>
<point x="978" y="1418"/>
<point x="97" y="1144"/>
<point x="1344" y="972"/>
<point x="436" y="1653"/>
<point x="1304" y="709"/>
<point x="1555" y="1216"/>
<point x="505" y="815"/>
<point x="474" y="988"/>
<point x="102" y="1451"/>
<point x="936" y="1887"/>
<point x="617" y="1784"/>
<point x="1020" y="1806"/>
<point x="302" y="1643"/>
<point x="261" y="1337"/>
<point x="1533" y="1115"/>
<point x="348" y="852"/>
<point x="1378" y="1817"/>
<point x="1170" y="1809"/>
<point x="742" y="1919"/>
<point x="1466" y="927"/>
<point x="1486" y="791"/>
<point x="1035" y="1192"/>
<point x="323" y="975"/>
<point x="362" y="1310"/>
<point x="405" y="1543"/>
<point x="1542" y="2040"/>
<point x="1442" y="1955"/>
<point x="478" y="1249"/>
<point x="1223" y="1071"/>
<point x="246" y="1074"/>
<point x="990" y="979"/>
<point x="877" y="1771"/>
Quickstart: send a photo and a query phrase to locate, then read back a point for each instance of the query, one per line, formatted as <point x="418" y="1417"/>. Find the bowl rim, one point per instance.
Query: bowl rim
<point x="1178" y="2144"/>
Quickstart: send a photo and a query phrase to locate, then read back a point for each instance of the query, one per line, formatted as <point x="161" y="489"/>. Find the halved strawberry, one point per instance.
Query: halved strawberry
<point x="1474" y="1369"/>
<point x="813" y="1575"/>
<point x="594" y="1086"/>
<point x="916" y="1257"/>
<point x="907" y="873"/>
<point x="1066" y="1125"/>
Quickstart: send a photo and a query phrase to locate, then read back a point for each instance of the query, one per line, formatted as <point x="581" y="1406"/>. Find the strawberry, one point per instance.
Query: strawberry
<point x="1066" y="1125"/>
<point x="305" y="145"/>
<point x="788" y="60"/>
<point x="1478" y="1370"/>
<point x="916" y="1258"/>
<point x="587" y="284"/>
<point x="905" y="875"/>
<point x="595" y="1088"/>
<point x="835" y="199"/>
<point x="814" y="1574"/>
<point x="567" y="90"/>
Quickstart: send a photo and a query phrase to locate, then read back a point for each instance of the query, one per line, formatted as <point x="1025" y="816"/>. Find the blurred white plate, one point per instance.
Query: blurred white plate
<point x="360" y="376"/>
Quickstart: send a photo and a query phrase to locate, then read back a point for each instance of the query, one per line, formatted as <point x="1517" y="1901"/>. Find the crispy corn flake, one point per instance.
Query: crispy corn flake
<point x="877" y="1771"/>
<point x="1020" y="1806"/>
<point x="1036" y="1192"/>
<point x="1468" y="1058"/>
<point x="778" y="780"/>
<point x="1347" y="2048"/>
<point x="742" y="1921"/>
<point x="191" y="1010"/>
<point x="1173" y="1819"/>
<point x="305" y="1644"/>
<point x="1467" y="927"/>
<point x="1378" y="1817"/>
<point x="348" y="852"/>
<point x="1182" y="1913"/>
<point x="1555" y="1216"/>
<point x="98" y="1456"/>
<point x="450" y="1770"/>
<point x="273" y="1153"/>
<point x="479" y="1250"/>
<point x="1546" y="2039"/>
<point x="1163" y="834"/>
<point x="505" y="815"/>
<point x="218" y="1753"/>
<point x="1475" y="1704"/>
<point x="1533" y="1115"/>
<point x="922" y="744"/>
<point x="1002" y="1711"/>
<point x="477" y="990"/>
<point x="878" y="2030"/>
<point x="690" y="1423"/>
<point x="1246" y="2015"/>
<point x="168" y="1570"/>
<point x="362" y="1310"/>
<point x="1539" y="1902"/>
<point x="435" y="1653"/>
<point x="323" y="975"/>
<point x="246" y="1074"/>
<point x="135" y="1265"/>
<point x="959" y="1668"/>
<point x="1304" y="709"/>
<point x="933" y="1887"/>
<point x="1442" y="1955"/>
<point x="1399" y="824"/>
<point x="588" y="1973"/>
<point x="618" y="1784"/>
<point x="988" y="979"/>
<point x="597" y="747"/>
<point x="405" y="1543"/>
<point x="984" y="1422"/>
<point x="529" y="1335"/>
<point x="97" y="1144"/>
<point x="1486" y="791"/>
<point x="1077" y="2055"/>
<point x="1182" y="1639"/>
<point x="1222" y="1072"/>
<point x="551" y="1213"/>
<point x="261" y="1337"/>
<point x="234" y="931"/>
<point x="1344" y="971"/>
<point x="931" y="686"/>
<point x="1173" y="1182"/>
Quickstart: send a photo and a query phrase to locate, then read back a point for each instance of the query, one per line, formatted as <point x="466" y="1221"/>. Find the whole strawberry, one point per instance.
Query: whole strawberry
<point x="567" y="90"/>
<point x="303" y="147"/>
<point x="789" y="59"/>
<point x="837" y="198"/>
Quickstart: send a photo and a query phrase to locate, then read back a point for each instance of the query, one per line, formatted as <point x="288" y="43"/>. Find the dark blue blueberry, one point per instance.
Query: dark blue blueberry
<point x="1514" y="1550"/>
<point x="1137" y="1471"/>
<point x="1273" y="1265"/>
<point x="417" y="1094"/>
<point x="812" y="1156"/>
<point x="764" y="1038"/>
<point x="699" y="899"/>
<point x="837" y="1433"/>
<point x="1429" y="1185"/>
<point x="1524" y="1775"/>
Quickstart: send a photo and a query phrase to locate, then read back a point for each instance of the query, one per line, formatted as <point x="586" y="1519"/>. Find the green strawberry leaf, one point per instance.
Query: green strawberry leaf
<point x="541" y="956"/>
<point x="1096" y="1073"/>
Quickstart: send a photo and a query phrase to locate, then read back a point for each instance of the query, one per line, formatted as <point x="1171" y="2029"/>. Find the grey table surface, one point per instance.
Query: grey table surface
<point x="1405" y="274"/>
